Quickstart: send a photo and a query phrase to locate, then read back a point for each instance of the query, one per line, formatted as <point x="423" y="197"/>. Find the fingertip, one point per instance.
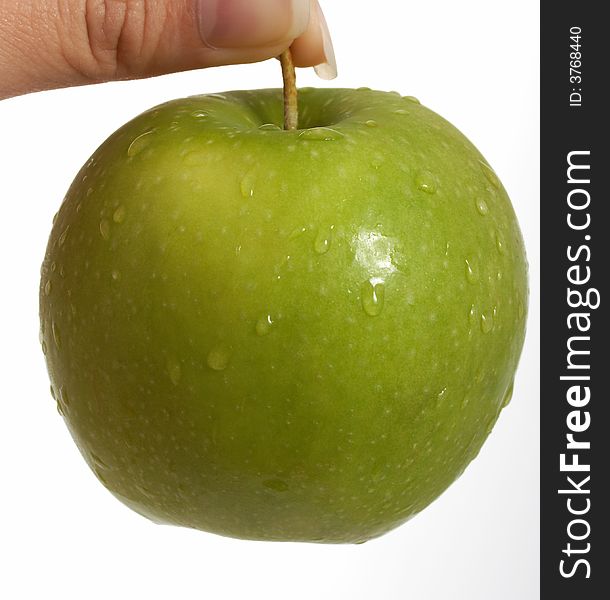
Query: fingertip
<point x="228" y="24"/>
<point x="315" y="48"/>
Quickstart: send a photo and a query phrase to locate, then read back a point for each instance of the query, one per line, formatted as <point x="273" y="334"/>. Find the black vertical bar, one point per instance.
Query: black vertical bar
<point x="575" y="254"/>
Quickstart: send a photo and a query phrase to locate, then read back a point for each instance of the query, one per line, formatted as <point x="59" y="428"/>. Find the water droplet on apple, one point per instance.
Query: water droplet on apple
<point x="372" y="296"/>
<point x="139" y="143"/>
<point x="482" y="207"/>
<point x="52" y="389"/>
<point x="411" y="99"/>
<point x="371" y="123"/>
<point x="246" y="187"/>
<point x="490" y="174"/>
<point x="98" y="462"/>
<point x="54" y="219"/>
<point x="55" y="332"/>
<point x="500" y="243"/>
<point x="119" y="214"/>
<point x="277" y="485"/>
<point x="199" y="114"/>
<point x="105" y="229"/>
<point x="62" y="238"/>
<point x="174" y="370"/>
<point x="100" y="475"/>
<point x="63" y="397"/>
<point x="116" y="275"/>
<point x="217" y="96"/>
<point x="53" y="267"/>
<point x="323" y="239"/>
<point x="263" y="325"/>
<point x="508" y="394"/>
<point x="322" y="134"/>
<point x="472" y="314"/>
<point x="441" y="396"/>
<point x="426" y="181"/>
<point x="360" y="542"/>
<point x="47" y="287"/>
<point x="401" y="111"/>
<point x="270" y="127"/>
<point x="218" y="359"/>
<point x="63" y="401"/>
<point x="43" y="344"/>
<point x="297" y="232"/>
<point x="363" y="89"/>
<point x="471" y="272"/>
<point x="487" y="322"/>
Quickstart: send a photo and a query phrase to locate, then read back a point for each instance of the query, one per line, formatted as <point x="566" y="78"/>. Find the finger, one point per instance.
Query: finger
<point x="57" y="43"/>
<point x="315" y="46"/>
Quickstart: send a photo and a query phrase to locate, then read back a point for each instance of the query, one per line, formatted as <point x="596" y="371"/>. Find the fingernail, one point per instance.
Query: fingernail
<point x="251" y="23"/>
<point x="328" y="69"/>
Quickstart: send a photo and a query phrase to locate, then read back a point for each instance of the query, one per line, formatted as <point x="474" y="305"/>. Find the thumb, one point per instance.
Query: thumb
<point x="48" y="44"/>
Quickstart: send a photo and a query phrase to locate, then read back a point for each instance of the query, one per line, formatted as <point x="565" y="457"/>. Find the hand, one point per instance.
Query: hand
<point x="47" y="44"/>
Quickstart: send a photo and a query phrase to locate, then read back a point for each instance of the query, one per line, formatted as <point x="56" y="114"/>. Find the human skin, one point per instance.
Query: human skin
<point x="46" y="44"/>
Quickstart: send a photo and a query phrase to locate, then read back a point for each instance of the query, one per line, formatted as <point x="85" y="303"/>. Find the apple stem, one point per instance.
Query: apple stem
<point x="291" y="110"/>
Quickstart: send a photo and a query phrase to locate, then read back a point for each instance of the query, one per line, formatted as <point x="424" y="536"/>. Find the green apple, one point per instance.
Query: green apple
<point x="283" y="335"/>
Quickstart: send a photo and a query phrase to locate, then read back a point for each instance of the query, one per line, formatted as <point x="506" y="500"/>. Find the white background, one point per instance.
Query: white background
<point x="64" y="536"/>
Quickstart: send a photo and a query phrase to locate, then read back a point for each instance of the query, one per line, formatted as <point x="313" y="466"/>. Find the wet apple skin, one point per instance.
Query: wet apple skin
<point x="276" y="335"/>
